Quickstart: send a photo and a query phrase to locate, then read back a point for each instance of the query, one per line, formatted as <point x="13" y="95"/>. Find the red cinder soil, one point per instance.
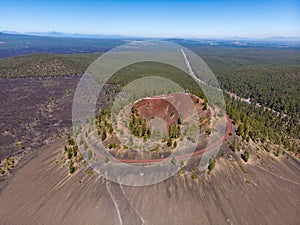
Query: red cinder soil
<point x="168" y="107"/>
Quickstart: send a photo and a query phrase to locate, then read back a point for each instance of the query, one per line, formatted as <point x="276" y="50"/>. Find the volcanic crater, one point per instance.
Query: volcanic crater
<point x="154" y="127"/>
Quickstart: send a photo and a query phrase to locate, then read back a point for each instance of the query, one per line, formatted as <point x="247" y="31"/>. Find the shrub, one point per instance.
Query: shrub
<point x="173" y="161"/>
<point x="234" y="145"/>
<point x="72" y="169"/>
<point x="90" y="172"/>
<point x="75" y="149"/>
<point x="169" y="143"/>
<point x="245" y="156"/>
<point x="69" y="153"/>
<point x="208" y="132"/>
<point x="112" y="145"/>
<point x="103" y="135"/>
<point x="212" y="163"/>
<point x="193" y="176"/>
<point x="240" y="130"/>
<point x="181" y="163"/>
<point x="70" y="140"/>
<point x="90" y="155"/>
<point x="181" y="171"/>
<point x="179" y="121"/>
<point x="175" y="144"/>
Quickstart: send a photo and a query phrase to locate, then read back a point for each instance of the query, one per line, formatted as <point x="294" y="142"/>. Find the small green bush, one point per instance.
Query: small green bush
<point x="212" y="163"/>
<point x="72" y="168"/>
<point x="245" y="156"/>
<point x="173" y="161"/>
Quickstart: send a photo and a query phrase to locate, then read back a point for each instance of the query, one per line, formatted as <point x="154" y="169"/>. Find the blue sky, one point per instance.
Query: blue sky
<point x="154" y="18"/>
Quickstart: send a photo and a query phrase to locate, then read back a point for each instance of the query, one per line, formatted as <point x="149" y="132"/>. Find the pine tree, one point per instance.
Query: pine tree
<point x="175" y="144"/>
<point x="169" y="143"/>
<point x="240" y="129"/>
<point x="103" y="134"/>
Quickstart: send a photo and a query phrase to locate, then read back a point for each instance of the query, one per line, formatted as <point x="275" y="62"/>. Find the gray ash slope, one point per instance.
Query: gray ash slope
<point x="42" y="192"/>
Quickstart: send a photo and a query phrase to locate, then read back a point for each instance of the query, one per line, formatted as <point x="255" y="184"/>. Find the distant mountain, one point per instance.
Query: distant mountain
<point x="70" y="35"/>
<point x="280" y="38"/>
<point x="54" y="33"/>
<point x="14" y="43"/>
<point x="237" y="38"/>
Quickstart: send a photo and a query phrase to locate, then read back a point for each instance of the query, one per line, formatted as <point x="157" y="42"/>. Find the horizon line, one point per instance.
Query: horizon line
<point x="52" y="33"/>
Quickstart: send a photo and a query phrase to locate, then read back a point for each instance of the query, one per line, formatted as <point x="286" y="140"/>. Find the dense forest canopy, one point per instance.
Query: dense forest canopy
<point x="145" y="69"/>
<point x="45" y="65"/>
<point x="268" y="76"/>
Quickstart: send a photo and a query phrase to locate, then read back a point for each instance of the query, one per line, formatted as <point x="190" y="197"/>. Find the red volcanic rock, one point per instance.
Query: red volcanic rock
<point x="168" y="107"/>
<point x="148" y="108"/>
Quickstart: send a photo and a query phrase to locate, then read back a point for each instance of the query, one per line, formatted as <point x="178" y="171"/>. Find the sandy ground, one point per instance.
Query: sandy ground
<point x="42" y="192"/>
